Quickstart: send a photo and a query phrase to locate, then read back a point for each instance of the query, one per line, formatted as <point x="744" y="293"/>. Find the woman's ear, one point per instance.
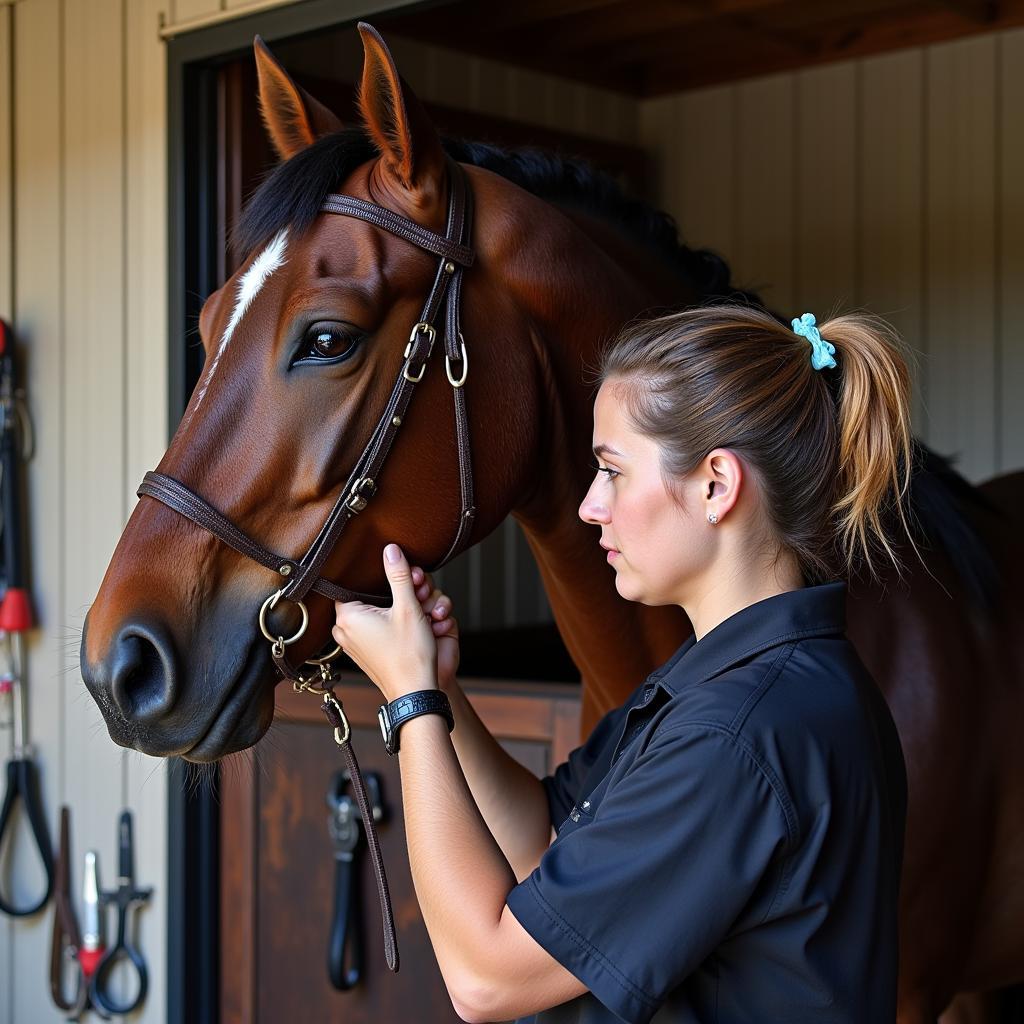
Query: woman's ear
<point x="293" y="118"/>
<point x="722" y="473"/>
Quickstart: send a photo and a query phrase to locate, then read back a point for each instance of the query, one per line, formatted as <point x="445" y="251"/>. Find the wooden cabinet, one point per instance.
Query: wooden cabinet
<point x="277" y="864"/>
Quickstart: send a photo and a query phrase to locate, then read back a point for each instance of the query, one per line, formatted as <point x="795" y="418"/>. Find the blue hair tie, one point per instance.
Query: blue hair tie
<point x="821" y="357"/>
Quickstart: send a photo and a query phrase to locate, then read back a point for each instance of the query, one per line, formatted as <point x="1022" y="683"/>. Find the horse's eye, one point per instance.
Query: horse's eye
<point x="326" y="342"/>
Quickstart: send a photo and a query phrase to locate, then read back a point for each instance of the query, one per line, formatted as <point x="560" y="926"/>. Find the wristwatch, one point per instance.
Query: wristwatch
<point x="423" y="702"/>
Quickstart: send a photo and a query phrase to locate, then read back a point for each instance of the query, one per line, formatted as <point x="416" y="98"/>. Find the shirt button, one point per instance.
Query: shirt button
<point x="586" y="804"/>
<point x="574" y="814"/>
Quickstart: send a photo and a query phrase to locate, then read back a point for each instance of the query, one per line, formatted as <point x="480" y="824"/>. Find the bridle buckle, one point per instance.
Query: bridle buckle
<point x="421" y="328"/>
<point x="362" y="491"/>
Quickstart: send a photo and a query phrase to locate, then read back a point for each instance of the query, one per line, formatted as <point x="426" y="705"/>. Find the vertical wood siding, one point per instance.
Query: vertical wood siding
<point x="84" y="150"/>
<point x="893" y="183"/>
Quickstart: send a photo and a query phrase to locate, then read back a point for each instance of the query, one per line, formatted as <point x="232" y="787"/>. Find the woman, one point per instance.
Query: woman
<point x="729" y="840"/>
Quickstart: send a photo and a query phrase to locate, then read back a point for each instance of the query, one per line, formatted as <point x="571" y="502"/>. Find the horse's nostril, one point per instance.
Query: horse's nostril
<point x="142" y="682"/>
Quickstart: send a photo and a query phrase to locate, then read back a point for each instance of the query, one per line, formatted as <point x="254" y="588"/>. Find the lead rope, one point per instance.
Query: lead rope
<point x="335" y="712"/>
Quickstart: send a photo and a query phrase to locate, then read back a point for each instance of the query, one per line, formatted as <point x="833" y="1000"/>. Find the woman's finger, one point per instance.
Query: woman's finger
<point x="441" y="607"/>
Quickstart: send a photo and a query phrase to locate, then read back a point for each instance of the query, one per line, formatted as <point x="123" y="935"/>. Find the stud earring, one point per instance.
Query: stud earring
<point x="712" y="517"/>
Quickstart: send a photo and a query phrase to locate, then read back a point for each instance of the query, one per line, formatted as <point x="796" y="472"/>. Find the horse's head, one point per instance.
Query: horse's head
<point x="303" y="348"/>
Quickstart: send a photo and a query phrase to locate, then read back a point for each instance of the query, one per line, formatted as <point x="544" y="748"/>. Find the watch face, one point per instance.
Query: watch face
<point x="382" y="720"/>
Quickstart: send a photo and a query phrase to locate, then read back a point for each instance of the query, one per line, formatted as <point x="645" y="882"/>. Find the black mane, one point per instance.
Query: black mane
<point x="291" y="195"/>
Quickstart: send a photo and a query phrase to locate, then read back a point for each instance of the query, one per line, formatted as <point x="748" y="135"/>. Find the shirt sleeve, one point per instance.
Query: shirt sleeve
<point x="564" y="784"/>
<point x="642" y="888"/>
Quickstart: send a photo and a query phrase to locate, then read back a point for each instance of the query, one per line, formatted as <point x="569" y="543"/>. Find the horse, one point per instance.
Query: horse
<point x="302" y="345"/>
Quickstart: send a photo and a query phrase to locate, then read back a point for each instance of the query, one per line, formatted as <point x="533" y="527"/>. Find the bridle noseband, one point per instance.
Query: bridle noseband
<point x="303" y="575"/>
<point x="444" y="301"/>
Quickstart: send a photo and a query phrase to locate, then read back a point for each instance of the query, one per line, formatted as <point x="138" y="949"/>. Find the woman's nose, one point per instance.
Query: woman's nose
<point x="592" y="511"/>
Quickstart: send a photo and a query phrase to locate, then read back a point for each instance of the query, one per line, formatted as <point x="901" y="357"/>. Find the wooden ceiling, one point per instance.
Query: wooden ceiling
<point x="651" y="47"/>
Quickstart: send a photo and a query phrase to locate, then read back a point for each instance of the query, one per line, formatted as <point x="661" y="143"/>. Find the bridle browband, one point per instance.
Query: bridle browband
<point x="304" y="575"/>
<point x="454" y="253"/>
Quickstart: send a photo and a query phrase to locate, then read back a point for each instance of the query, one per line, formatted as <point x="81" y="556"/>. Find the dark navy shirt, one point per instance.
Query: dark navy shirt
<point x="730" y="839"/>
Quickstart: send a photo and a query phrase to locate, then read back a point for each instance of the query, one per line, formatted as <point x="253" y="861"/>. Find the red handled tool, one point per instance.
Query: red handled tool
<point x="15" y="620"/>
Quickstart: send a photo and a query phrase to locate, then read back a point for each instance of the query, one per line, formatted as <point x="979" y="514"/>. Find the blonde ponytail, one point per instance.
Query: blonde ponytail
<point x="875" y="440"/>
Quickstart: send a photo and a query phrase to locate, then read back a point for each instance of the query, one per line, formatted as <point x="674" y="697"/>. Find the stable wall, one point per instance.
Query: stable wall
<point x="895" y="183"/>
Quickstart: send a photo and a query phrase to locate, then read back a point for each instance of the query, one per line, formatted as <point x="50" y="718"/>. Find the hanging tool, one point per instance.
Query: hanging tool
<point x="15" y="620"/>
<point x="125" y="897"/>
<point x="83" y="949"/>
<point x="345" y="827"/>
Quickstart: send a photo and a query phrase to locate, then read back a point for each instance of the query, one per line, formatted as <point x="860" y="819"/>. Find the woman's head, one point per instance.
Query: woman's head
<point x="724" y="402"/>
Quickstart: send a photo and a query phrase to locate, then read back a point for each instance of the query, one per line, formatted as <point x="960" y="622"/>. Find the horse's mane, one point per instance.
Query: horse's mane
<point x="291" y="195"/>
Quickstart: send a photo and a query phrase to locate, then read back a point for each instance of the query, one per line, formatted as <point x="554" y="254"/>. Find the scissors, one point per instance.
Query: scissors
<point x="15" y="619"/>
<point x="67" y="943"/>
<point x="125" y="897"/>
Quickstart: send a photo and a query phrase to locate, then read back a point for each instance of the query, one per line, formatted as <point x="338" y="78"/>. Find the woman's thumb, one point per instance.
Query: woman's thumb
<point x="399" y="575"/>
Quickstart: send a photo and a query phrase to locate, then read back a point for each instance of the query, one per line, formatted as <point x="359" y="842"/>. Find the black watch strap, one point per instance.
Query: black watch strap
<point x="411" y="705"/>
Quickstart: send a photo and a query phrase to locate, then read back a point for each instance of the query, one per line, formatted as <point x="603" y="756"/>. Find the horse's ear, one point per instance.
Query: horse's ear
<point x="396" y="120"/>
<point x="294" y="120"/>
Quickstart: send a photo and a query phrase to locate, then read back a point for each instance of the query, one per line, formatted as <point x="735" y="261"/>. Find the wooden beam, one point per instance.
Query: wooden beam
<point x="983" y="12"/>
<point x="841" y="42"/>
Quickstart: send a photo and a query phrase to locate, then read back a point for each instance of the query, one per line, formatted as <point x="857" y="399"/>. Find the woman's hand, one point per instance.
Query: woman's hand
<point x="394" y="646"/>
<point x="438" y="607"/>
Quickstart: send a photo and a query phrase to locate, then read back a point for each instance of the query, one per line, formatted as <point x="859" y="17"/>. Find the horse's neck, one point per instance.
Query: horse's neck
<point x="613" y="642"/>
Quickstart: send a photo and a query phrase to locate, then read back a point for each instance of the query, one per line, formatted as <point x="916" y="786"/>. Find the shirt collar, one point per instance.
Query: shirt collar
<point x="794" y="615"/>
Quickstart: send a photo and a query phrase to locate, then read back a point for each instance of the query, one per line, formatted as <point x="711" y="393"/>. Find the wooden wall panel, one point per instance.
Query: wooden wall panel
<point x="93" y="367"/>
<point x="960" y="251"/>
<point x="145" y="414"/>
<point x="699" y="170"/>
<point x="6" y="167"/>
<point x="7" y="313"/>
<point x="765" y="255"/>
<point x="825" y="184"/>
<point x="1010" y="252"/>
<point x="89" y="243"/>
<point x="892" y="202"/>
<point x="39" y="326"/>
<point x="185" y="10"/>
<point x="892" y="183"/>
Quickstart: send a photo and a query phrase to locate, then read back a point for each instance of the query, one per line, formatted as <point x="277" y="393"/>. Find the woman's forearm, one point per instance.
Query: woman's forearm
<point x="461" y="876"/>
<point x="509" y="796"/>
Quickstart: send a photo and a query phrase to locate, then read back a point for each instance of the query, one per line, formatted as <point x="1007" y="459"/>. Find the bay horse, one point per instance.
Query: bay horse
<point x="302" y="346"/>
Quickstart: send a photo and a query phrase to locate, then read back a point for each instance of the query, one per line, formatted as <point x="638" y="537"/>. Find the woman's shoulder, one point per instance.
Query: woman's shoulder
<point x="808" y="697"/>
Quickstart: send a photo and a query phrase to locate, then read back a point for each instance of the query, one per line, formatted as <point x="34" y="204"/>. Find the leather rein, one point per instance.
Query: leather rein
<point x="441" y="313"/>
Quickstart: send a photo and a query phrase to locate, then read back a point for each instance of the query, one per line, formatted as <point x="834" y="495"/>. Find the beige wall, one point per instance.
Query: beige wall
<point x="82" y="279"/>
<point x="896" y="183"/>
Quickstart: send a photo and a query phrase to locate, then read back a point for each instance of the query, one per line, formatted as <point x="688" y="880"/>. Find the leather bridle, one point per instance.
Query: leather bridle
<point x="304" y="574"/>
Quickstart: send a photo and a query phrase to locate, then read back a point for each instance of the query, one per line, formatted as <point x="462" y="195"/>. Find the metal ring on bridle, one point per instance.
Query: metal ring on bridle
<point x="270" y="603"/>
<point x="327" y="657"/>
<point x="465" y="366"/>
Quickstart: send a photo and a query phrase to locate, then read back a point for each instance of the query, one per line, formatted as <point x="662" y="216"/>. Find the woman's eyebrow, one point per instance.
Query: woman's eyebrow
<point x="605" y="449"/>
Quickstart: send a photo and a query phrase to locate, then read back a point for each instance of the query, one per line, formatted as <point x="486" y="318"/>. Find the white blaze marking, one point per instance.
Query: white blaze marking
<point x="248" y="288"/>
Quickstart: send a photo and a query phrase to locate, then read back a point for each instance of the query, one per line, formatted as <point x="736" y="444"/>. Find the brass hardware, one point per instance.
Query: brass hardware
<point x="362" y="491"/>
<point x="396" y="421"/>
<point x="421" y="328"/>
<point x="279" y="642"/>
<point x="341" y="738"/>
<point x="465" y="366"/>
<point x="322" y="662"/>
<point x="285" y="570"/>
<point x="449" y="267"/>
